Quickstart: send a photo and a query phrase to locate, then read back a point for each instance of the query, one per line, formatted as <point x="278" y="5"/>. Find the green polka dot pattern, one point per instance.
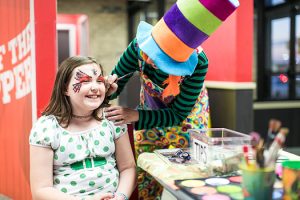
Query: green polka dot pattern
<point x="70" y="148"/>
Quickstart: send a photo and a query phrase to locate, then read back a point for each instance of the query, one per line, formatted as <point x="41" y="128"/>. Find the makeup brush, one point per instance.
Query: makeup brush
<point x="277" y="127"/>
<point x="260" y="159"/>
<point x="246" y="156"/>
<point x="276" y="145"/>
<point x="107" y="85"/>
<point x="274" y="126"/>
<point x="120" y="78"/>
<point x="255" y="138"/>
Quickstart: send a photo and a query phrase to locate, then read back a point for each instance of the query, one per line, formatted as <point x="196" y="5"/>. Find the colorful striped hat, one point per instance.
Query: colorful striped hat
<point x="171" y="43"/>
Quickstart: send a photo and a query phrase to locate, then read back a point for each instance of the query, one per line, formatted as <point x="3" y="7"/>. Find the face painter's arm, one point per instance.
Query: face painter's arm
<point x="128" y="63"/>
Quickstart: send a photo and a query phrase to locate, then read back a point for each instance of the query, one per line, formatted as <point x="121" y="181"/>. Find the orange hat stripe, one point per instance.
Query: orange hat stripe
<point x="170" y="43"/>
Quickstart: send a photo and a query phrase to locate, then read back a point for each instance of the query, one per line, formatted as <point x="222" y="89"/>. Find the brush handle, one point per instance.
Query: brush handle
<point x="120" y="78"/>
<point x="276" y="145"/>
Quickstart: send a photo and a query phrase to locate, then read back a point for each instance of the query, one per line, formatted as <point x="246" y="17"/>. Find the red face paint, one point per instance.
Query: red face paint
<point x="81" y="77"/>
<point x="101" y="79"/>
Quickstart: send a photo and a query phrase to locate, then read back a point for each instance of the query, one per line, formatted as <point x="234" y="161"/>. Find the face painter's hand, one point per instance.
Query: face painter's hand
<point x="111" y="85"/>
<point x="120" y="115"/>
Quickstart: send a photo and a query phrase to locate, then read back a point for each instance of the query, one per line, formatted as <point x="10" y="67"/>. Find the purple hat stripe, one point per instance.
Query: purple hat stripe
<point x="220" y="8"/>
<point x="183" y="29"/>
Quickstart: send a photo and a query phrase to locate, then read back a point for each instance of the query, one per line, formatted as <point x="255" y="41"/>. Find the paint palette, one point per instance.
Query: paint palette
<point x="220" y="188"/>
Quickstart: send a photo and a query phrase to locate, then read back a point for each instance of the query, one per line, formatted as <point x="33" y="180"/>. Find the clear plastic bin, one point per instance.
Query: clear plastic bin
<point x="220" y="149"/>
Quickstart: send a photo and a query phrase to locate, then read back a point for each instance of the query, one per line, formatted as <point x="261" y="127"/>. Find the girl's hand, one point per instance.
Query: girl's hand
<point x="111" y="85"/>
<point x="105" y="196"/>
<point x="120" y="115"/>
<point x="118" y="196"/>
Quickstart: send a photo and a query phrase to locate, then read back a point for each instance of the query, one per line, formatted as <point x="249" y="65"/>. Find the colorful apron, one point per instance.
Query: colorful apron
<point x="148" y="140"/>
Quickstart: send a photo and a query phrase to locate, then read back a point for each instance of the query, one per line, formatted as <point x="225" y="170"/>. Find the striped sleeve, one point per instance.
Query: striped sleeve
<point x="182" y="105"/>
<point x="128" y="63"/>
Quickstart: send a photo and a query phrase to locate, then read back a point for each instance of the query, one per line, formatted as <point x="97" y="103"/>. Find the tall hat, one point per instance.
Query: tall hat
<point x="171" y="43"/>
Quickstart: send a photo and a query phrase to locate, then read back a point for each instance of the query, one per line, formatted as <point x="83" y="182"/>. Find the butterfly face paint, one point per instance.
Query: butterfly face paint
<point x="101" y="79"/>
<point x="81" y="77"/>
<point x="94" y="72"/>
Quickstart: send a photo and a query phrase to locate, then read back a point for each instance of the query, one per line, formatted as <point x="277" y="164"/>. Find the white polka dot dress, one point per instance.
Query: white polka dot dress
<point x="84" y="162"/>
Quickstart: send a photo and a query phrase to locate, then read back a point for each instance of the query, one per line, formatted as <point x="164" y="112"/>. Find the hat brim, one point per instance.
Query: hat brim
<point x="165" y="63"/>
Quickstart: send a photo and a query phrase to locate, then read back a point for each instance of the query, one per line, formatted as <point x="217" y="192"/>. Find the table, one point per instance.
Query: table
<point x="166" y="174"/>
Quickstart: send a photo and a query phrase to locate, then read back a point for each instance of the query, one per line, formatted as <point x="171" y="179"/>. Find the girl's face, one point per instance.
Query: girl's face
<point x="86" y="89"/>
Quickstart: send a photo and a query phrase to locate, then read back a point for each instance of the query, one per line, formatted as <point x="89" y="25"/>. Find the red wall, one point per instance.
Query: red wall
<point x="19" y="52"/>
<point x="15" y="97"/>
<point x="46" y="50"/>
<point x="230" y="48"/>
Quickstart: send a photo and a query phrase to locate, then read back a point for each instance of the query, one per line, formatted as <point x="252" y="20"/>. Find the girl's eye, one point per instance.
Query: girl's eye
<point x="84" y="79"/>
<point x="101" y="79"/>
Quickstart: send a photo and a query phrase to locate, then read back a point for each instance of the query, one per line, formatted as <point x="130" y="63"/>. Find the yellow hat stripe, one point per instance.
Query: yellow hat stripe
<point x="199" y="16"/>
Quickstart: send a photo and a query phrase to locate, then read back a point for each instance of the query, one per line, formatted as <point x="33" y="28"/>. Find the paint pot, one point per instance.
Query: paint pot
<point x="215" y="197"/>
<point x="217" y="181"/>
<point x="193" y="183"/>
<point x="205" y="190"/>
<point x="236" y="179"/>
<point x="229" y="189"/>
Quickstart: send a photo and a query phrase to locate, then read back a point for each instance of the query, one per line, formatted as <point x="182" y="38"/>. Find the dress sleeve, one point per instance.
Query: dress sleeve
<point x="183" y="103"/>
<point x="118" y="131"/>
<point x="128" y="63"/>
<point x="44" y="133"/>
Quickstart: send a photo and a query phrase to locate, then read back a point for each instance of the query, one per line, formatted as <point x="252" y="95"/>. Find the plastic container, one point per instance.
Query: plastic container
<point x="220" y="149"/>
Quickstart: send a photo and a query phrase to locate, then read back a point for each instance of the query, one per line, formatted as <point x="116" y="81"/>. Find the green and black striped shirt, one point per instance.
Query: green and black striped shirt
<point x="183" y="103"/>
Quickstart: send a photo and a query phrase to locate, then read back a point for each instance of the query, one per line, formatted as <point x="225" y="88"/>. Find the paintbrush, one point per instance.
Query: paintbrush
<point x="260" y="159"/>
<point x="273" y="128"/>
<point x="120" y="78"/>
<point x="276" y="145"/>
<point x="246" y="156"/>
<point x="107" y="85"/>
<point x="255" y="138"/>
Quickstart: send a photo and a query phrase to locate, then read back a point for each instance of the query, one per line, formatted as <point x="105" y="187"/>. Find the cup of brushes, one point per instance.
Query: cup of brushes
<point x="258" y="173"/>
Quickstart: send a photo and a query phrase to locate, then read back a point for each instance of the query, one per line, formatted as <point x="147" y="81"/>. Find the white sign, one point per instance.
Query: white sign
<point x="200" y="151"/>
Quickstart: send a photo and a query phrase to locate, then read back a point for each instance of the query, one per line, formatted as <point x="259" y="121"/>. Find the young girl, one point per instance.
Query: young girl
<point x="75" y="152"/>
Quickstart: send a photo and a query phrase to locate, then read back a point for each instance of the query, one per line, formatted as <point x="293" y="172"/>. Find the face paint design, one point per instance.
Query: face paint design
<point x="94" y="72"/>
<point x="101" y="79"/>
<point x="81" y="77"/>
